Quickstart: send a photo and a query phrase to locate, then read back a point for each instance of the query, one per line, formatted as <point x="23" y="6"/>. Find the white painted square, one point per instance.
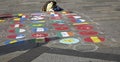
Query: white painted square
<point x="22" y="30"/>
<point x="82" y="20"/>
<point x="17" y="25"/>
<point x="19" y="37"/>
<point x="77" y="17"/>
<point x="40" y="29"/>
<point x="56" y="15"/>
<point x="64" y="34"/>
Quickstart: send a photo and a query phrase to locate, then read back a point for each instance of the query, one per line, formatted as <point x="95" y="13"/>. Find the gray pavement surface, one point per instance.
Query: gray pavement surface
<point x="104" y="13"/>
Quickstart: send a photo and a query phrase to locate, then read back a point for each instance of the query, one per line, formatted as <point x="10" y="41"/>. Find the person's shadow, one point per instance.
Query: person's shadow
<point x="23" y="45"/>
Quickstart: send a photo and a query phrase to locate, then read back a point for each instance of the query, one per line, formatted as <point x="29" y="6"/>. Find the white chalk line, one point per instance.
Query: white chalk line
<point x="114" y="40"/>
<point x="92" y="50"/>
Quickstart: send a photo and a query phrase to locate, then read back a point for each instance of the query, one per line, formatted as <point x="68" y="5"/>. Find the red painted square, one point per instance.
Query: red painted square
<point x="55" y="18"/>
<point x="70" y="16"/>
<point x="73" y="20"/>
<point x="17" y="22"/>
<point x="11" y="31"/>
<point x="88" y="39"/>
<point x="13" y="25"/>
<point x="61" y="28"/>
<point x="88" y="33"/>
<point x="57" y="24"/>
<point x="84" y="27"/>
<point x="12" y="36"/>
<point x="38" y="35"/>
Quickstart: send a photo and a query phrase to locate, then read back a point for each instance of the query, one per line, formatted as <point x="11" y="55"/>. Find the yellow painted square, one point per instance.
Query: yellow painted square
<point x="20" y="14"/>
<point x="37" y="25"/>
<point x="16" y="19"/>
<point x="80" y="23"/>
<point x="42" y="21"/>
<point x="64" y="12"/>
<point x="2" y="20"/>
<point x="14" y="41"/>
<point x="95" y="39"/>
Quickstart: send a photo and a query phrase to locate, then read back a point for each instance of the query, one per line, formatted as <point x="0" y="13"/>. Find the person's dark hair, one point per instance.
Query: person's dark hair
<point x="45" y="5"/>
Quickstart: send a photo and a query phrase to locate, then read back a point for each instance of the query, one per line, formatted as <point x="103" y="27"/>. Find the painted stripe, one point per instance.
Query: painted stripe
<point x="13" y="41"/>
<point x="80" y="23"/>
<point x="37" y="21"/>
<point x="37" y="25"/>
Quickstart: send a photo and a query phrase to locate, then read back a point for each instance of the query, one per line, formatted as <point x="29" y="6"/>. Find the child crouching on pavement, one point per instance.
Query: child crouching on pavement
<point x="51" y="6"/>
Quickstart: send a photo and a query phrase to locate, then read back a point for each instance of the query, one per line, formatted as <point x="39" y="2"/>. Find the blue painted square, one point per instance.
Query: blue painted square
<point x="78" y="20"/>
<point x="36" y="29"/>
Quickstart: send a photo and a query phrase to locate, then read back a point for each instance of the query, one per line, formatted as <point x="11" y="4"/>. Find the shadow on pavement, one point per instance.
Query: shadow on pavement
<point x="23" y="45"/>
<point x="34" y="53"/>
<point x="37" y="51"/>
<point x="93" y="55"/>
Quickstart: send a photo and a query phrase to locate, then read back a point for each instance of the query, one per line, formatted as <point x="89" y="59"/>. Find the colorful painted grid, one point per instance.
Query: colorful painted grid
<point x="72" y="25"/>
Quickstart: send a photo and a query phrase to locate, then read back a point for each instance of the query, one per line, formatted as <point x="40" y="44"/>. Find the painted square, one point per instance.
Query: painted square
<point x="65" y="34"/>
<point x="39" y="29"/>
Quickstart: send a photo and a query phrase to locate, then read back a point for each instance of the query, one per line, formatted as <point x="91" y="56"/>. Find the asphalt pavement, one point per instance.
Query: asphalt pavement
<point x="104" y="13"/>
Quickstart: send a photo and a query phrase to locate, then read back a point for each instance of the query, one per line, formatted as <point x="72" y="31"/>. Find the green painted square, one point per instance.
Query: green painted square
<point x="59" y="34"/>
<point x="39" y="40"/>
<point x="57" y="21"/>
<point x="36" y="25"/>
